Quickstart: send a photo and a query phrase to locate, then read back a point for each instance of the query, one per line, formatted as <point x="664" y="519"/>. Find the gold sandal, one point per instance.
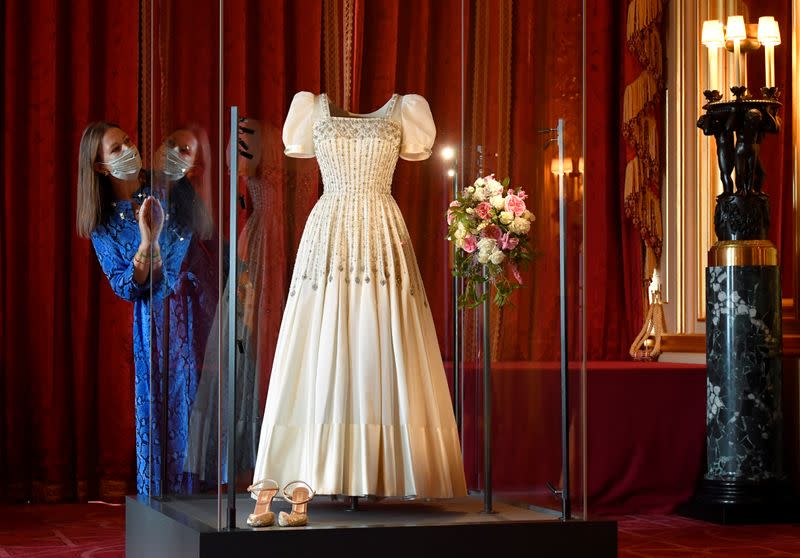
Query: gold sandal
<point x="265" y="490"/>
<point x="301" y="495"/>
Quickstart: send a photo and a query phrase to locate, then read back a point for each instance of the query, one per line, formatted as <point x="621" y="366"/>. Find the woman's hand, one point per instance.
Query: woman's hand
<point x="148" y="255"/>
<point x="151" y="221"/>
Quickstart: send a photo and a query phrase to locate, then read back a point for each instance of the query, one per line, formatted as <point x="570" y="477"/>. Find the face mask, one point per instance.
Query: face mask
<point x="175" y="167"/>
<point x="127" y="165"/>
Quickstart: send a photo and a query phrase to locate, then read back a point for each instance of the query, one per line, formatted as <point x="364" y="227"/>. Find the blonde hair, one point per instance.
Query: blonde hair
<point x="93" y="189"/>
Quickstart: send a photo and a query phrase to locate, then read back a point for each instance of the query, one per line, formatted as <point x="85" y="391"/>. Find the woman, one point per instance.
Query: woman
<point x="146" y="263"/>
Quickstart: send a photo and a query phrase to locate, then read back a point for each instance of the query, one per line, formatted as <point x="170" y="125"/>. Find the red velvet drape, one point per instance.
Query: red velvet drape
<point x="776" y="151"/>
<point x="614" y="256"/>
<point x="66" y="389"/>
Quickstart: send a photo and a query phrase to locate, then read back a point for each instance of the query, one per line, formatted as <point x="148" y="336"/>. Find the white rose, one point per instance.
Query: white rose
<point x="461" y="232"/>
<point x="520" y="226"/>
<point x="498" y="202"/>
<point x="480" y="182"/>
<point x="487" y="245"/>
<point x="470" y="189"/>
<point x="483" y="257"/>
<point x="494" y="187"/>
<point x="479" y="194"/>
<point x="506" y="217"/>
<point x="497" y="257"/>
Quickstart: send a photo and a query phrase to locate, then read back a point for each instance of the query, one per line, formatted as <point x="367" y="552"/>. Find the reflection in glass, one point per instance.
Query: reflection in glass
<point x="250" y="284"/>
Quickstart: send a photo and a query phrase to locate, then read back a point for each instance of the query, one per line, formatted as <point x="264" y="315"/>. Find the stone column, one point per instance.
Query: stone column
<point x="743" y="350"/>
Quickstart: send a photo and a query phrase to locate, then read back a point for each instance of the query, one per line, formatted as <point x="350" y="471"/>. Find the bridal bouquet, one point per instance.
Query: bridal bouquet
<point x="489" y="224"/>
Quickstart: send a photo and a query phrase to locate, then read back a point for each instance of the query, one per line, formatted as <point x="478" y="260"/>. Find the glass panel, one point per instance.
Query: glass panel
<point x="181" y="147"/>
<point x="489" y="99"/>
<point x="519" y="89"/>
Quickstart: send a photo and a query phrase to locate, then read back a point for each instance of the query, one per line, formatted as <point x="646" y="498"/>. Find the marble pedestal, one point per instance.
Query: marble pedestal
<point x="744" y="479"/>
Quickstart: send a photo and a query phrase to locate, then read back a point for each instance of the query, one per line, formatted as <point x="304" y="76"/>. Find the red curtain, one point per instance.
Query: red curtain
<point x="66" y="388"/>
<point x="614" y="255"/>
<point x="266" y="63"/>
<point x="776" y="151"/>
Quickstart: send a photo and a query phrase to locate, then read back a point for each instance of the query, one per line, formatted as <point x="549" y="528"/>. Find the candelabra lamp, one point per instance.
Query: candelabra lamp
<point x="744" y="479"/>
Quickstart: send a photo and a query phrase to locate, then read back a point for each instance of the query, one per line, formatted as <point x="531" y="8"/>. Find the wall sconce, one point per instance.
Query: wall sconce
<point x="556" y="167"/>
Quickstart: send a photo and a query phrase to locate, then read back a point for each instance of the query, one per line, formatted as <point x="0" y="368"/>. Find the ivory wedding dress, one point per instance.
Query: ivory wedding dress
<point x="358" y="402"/>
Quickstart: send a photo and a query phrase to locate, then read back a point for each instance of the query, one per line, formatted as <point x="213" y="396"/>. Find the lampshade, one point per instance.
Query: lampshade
<point x="735" y="30"/>
<point x="713" y="34"/>
<point x="768" y="31"/>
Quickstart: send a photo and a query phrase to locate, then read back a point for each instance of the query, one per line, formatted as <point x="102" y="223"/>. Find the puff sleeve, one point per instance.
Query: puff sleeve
<point x="419" y="131"/>
<point x="298" y="127"/>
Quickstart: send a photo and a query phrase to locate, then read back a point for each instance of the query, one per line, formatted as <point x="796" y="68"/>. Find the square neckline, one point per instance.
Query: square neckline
<point x="387" y="108"/>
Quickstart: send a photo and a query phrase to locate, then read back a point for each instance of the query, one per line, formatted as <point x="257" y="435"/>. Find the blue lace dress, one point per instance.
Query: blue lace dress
<point x="172" y="314"/>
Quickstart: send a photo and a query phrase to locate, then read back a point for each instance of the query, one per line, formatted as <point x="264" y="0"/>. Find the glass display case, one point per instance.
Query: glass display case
<point x="504" y="85"/>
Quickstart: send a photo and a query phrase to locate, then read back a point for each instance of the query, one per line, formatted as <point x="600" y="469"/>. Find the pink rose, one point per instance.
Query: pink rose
<point x="492" y="231"/>
<point x="515" y="271"/>
<point x="515" y="204"/>
<point x="508" y="242"/>
<point x="483" y="209"/>
<point x="450" y="216"/>
<point x="470" y="244"/>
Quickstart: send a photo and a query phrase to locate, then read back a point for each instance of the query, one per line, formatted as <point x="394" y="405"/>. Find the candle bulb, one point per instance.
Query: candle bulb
<point x="769" y="75"/>
<point x="736" y="33"/>
<point x="714" y="39"/>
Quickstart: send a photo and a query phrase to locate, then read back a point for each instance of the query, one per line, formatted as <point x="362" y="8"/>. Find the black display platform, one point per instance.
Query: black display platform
<point x="187" y="527"/>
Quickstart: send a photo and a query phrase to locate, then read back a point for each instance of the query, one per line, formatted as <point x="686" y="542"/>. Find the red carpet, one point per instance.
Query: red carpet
<point x="657" y="536"/>
<point x="98" y="531"/>
<point x="70" y="530"/>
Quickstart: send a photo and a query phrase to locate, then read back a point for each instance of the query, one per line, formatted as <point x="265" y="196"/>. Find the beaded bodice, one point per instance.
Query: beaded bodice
<point x="357" y="154"/>
<point x="355" y="233"/>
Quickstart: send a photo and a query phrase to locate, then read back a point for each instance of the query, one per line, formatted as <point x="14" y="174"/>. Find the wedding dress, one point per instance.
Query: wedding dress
<point x="358" y="403"/>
